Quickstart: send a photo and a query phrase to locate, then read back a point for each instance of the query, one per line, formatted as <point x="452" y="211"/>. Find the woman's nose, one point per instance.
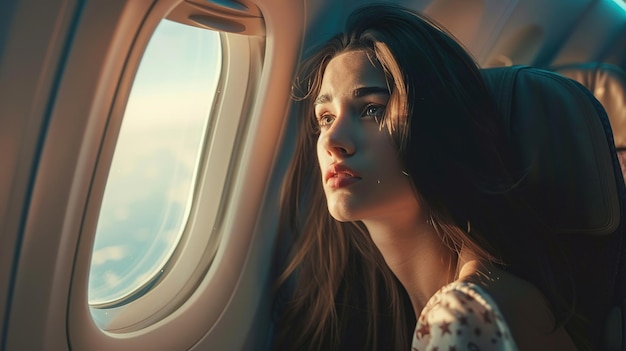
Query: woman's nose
<point x="339" y="139"/>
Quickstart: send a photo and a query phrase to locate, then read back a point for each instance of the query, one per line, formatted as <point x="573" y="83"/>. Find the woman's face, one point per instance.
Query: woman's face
<point x="361" y="172"/>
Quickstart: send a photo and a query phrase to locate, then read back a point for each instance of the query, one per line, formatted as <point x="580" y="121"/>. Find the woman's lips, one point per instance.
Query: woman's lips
<point x="340" y="176"/>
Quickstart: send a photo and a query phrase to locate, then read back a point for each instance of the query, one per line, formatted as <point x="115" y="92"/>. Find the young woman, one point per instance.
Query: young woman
<point x="400" y="211"/>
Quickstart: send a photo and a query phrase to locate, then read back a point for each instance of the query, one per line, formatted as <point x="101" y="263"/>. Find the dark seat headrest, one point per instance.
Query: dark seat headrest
<point x="608" y="83"/>
<point x="562" y="135"/>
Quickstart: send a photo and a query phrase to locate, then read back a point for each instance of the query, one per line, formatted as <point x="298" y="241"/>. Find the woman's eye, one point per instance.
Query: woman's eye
<point x="325" y="120"/>
<point x="375" y="111"/>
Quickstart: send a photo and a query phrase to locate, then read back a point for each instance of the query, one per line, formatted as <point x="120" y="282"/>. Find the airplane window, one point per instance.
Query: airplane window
<point x="149" y="190"/>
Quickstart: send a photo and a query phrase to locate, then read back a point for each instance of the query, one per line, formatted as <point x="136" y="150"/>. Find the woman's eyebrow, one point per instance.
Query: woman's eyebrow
<point x="322" y="99"/>
<point x="358" y="92"/>
<point x="363" y="91"/>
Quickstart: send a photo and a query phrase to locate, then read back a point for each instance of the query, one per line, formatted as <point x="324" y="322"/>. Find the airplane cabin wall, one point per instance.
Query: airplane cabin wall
<point x="31" y="62"/>
<point x="535" y="31"/>
<point x="542" y="33"/>
<point x="600" y="36"/>
<point x="512" y="32"/>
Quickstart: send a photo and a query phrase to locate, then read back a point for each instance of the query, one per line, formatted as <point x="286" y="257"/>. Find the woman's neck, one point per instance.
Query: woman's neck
<point x="416" y="255"/>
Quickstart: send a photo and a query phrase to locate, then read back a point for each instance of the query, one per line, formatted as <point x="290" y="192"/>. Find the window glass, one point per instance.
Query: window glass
<point x="150" y="187"/>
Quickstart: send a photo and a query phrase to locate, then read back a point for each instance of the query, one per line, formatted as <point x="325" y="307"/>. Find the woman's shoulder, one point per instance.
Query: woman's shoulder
<point x="526" y="311"/>
<point x="461" y="315"/>
<point x="463" y="297"/>
<point x="462" y="294"/>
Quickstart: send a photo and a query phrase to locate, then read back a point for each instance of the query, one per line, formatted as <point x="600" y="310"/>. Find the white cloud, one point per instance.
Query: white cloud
<point x="109" y="253"/>
<point x="111" y="279"/>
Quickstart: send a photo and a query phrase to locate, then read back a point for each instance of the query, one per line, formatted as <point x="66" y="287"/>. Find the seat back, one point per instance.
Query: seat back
<point x="572" y="179"/>
<point x="608" y="84"/>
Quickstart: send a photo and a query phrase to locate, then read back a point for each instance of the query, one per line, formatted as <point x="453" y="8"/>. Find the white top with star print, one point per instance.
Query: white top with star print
<point x="461" y="316"/>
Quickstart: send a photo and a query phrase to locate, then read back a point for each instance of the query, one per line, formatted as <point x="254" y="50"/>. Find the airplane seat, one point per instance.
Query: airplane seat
<point x="607" y="82"/>
<point x="570" y="174"/>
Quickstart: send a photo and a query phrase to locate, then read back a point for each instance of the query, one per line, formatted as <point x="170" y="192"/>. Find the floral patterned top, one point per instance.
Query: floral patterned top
<point x="461" y="316"/>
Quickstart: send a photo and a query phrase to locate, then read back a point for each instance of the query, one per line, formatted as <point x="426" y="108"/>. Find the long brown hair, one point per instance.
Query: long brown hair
<point x="333" y="279"/>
